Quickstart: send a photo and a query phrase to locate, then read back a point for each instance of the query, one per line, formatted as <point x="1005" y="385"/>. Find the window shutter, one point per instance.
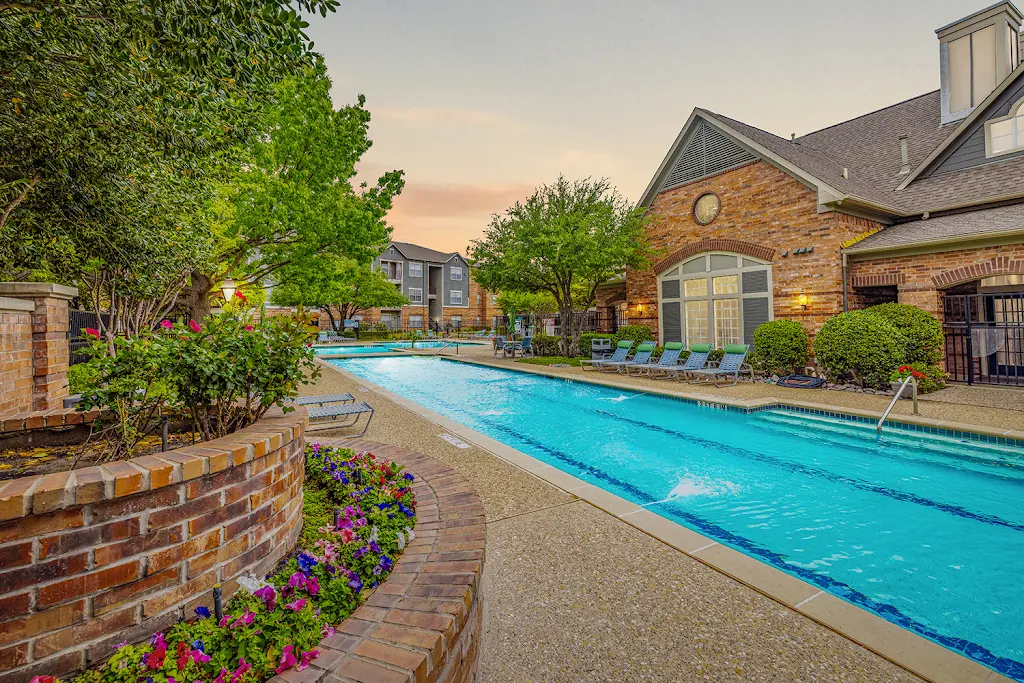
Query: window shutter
<point x="670" y="289"/>
<point x="755" y="281"/>
<point x="671" y="322"/>
<point x="755" y="313"/>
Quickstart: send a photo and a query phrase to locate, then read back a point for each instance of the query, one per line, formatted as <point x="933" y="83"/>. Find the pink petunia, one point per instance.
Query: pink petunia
<point x="249" y="328"/>
<point x="296" y="579"/>
<point x="268" y="595"/>
<point x="312" y="585"/>
<point x="199" y="657"/>
<point x="196" y="327"/>
<point x="245" y="619"/>
<point x="297" y="605"/>
<point x="92" y="332"/>
<point x="347" y="535"/>
<point x="306" y="657"/>
<point x="221" y="676"/>
<point x="243" y="667"/>
<point x="166" y="324"/>
<point x="225" y="620"/>
<point x="287" y="659"/>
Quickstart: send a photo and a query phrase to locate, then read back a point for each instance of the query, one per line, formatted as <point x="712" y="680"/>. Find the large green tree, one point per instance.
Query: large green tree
<point x="291" y="202"/>
<point x="567" y="239"/>
<point x="340" y="288"/>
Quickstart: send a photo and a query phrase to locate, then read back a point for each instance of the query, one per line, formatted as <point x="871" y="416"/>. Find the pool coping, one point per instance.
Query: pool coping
<point x="906" y="649"/>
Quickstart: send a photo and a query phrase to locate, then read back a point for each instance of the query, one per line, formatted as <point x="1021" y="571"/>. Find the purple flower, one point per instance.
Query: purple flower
<point x="268" y="595"/>
<point x="374" y="548"/>
<point x="203" y="612"/>
<point x="245" y="619"/>
<point x="297" y="605"/>
<point x="306" y="562"/>
<point x="355" y="584"/>
<point x="377" y="571"/>
<point x="408" y="476"/>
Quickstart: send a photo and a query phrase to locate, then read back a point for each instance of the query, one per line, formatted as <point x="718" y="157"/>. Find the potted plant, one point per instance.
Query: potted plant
<point x="900" y="374"/>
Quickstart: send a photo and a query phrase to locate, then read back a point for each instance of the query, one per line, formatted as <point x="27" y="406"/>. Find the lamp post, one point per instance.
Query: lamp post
<point x="228" y="289"/>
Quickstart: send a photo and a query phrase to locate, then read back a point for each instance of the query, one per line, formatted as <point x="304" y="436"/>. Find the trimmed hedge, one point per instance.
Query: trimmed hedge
<point x="547" y="345"/>
<point x="637" y="333"/>
<point x="921" y="331"/>
<point x="780" y="346"/>
<point x="860" y="345"/>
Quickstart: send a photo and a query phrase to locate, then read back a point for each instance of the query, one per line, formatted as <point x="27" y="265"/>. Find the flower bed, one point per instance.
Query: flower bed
<point x="358" y="513"/>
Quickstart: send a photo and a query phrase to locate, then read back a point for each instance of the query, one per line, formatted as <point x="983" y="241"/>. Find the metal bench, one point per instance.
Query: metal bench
<point x="339" y="417"/>
<point x="322" y="399"/>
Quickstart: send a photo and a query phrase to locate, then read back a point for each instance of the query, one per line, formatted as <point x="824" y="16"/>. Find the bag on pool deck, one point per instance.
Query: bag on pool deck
<point x="800" y="382"/>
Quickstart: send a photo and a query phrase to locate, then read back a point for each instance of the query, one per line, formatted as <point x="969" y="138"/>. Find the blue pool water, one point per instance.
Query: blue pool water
<point x="382" y="347"/>
<point x="925" y="530"/>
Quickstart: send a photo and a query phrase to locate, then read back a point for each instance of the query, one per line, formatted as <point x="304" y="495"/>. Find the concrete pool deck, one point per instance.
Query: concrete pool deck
<point x="577" y="593"/>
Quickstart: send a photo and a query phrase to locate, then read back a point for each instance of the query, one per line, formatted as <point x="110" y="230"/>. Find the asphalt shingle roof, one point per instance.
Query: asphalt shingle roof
<point x="418" y="253"/>
<point x="1002" y="219"/>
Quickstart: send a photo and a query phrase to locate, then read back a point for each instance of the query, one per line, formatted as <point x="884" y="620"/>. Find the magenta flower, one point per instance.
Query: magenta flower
<point x="245" y="619"/>
<point x="312" y="585"/>
<point x="296" y="579"/>
<point x="199" y="657"/>
<point x="196" y="327"/>
<point x="306" y="657"/>
<point x="249" y="328"/>
<point x="296" y="605"/>
<point x="166" y="324"/>
<point x="268" y="595"/>
<point x="287" y="660"/>
<point x="225" y="620"/>
<point x="240" y="671"/>
<point x="221" y="676"/>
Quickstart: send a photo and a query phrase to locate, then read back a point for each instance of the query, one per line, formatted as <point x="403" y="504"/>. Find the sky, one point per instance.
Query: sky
<point x="481" y="101"/>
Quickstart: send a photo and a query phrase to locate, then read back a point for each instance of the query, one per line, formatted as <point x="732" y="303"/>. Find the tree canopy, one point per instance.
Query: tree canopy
<point x="532" y="303"/>
<point x="337" y="286"/>
<point x="567" y="239"/>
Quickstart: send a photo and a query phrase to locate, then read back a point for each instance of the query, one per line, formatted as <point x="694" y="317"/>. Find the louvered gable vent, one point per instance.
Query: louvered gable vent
<point x="709" y="151"/>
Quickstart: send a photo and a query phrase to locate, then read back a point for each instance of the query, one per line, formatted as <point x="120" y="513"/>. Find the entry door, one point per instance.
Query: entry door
<point x="1007" y="312"/>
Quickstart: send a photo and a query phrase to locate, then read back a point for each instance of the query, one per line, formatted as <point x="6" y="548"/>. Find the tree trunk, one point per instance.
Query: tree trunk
<point x="570" y="345"/>
<point x="197" y="298"/>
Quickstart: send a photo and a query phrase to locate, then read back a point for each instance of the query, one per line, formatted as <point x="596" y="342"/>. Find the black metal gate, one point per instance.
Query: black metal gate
<point x="77" y="340"/>
<point x="985" y="338"/>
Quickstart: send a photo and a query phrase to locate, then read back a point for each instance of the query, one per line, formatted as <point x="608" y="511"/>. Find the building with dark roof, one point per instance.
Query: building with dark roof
<point x="921" y="202"/>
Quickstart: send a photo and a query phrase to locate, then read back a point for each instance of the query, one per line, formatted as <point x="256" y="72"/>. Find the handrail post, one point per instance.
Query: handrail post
<point x="899" y="392"/>
<point x="914" y="382"/>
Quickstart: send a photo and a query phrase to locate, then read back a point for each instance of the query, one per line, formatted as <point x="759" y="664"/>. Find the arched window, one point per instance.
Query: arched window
<point x="1006" y="134"/>
<point x="716" y="297"/>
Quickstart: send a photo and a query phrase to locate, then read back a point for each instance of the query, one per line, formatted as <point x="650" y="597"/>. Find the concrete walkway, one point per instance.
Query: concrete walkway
<point x="574" y="594"/>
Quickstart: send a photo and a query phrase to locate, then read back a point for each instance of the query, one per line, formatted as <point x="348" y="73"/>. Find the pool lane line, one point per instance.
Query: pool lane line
<point x="958" y="646"/>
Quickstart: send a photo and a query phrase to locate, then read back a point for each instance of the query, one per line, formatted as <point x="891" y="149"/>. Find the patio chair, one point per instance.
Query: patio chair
<point x="323" y="399"/>
<point x="668" y="362"/>
<point x="525" y="347"/>
<point x="640" y="361"/>
<point x="499" y="346"/>
<point x="339" y="416"/>
<point x="621" y="354"/>
<point x="731" y="365"/>
<point x="697" y="360"/>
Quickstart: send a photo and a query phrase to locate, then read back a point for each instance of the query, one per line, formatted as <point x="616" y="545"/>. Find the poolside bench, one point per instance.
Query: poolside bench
<point x="339" y="416"/>
<point x="322" y="399"/>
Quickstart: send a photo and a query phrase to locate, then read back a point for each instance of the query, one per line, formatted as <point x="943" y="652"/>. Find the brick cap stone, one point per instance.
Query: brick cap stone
<point x="38" y="290"/>
<point x="9" y="305"/>
<point x="145" y="473"/>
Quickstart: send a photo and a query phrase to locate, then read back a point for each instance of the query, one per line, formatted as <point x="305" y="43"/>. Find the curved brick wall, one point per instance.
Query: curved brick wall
<point x="424" y="624"/>
<point x="103" y="554"/>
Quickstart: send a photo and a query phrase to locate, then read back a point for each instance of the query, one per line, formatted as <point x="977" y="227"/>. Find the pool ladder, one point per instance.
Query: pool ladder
<point x="899" y="392"/>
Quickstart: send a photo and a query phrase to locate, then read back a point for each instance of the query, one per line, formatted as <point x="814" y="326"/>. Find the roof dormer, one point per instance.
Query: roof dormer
<point x="975" y="54"/>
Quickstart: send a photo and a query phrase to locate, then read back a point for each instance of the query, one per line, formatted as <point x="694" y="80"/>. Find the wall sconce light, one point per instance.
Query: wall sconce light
<point x="228" y="289"/>
<point x="802" y="300"/>
<point x="639" y="308"/>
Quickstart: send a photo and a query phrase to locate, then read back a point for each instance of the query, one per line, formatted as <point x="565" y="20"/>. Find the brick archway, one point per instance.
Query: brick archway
<point x="1001" y="265"/>
<point x="758" y="251"/>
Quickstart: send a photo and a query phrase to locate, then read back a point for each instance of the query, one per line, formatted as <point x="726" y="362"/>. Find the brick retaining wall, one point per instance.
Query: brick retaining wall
<point x="424" y="624"/>
<point x="117" y="552"/>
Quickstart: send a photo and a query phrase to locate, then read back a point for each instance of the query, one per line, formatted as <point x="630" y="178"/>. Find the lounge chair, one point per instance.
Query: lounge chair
<point x="640" y="361"/>
<point x="621" y="354"/>
<point x="526" y="347"/>
<point x="731" y="365"/>
<point x="339" y="416"/>
<point x="323" y="399"/>
<point x="499" y="346"/>
<point x="669" y="360"/>
<point x="697" y="360"/>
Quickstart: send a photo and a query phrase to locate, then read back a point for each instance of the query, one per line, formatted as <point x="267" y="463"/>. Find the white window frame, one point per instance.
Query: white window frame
<point x="710" y="296"/>
<point x="416" y="298"/>
<point x="452" y="270"/>
<point x="414" y="323"/>
<point x="456" y="321"/>
<point x="451" y="297"/>
<point x="1016" y="113"/>
<point x="418" y="268"/>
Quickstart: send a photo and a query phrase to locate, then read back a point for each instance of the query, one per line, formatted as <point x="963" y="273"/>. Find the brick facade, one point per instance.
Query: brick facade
<point x="119" y="551"/>
<point x="16" y="371"/>
<point x="50" y="354"/>
<point x="765" y="213"/>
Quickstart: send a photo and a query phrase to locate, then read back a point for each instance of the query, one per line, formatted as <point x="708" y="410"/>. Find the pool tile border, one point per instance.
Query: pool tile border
<point x="906" y="649"/>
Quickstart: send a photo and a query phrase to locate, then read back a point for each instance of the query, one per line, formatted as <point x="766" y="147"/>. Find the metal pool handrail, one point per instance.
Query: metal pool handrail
<point x="899" y="392"/>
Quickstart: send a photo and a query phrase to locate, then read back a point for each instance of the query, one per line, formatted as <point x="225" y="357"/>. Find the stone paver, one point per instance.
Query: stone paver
<point x="571" y="593"/>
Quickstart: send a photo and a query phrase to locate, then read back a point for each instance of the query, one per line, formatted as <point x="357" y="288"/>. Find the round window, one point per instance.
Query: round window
<point x="706" y="208"/>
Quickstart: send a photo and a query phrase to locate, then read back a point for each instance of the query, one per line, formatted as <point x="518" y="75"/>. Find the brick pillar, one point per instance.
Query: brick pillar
<point x="928" y="299"/>
<point x="49" y="339"/>
<point x="15" y="356"/>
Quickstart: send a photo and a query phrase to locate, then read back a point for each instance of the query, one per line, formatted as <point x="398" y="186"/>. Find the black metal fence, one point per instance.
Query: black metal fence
<point x="985" y="338"/>
<point x="77" y="339"/>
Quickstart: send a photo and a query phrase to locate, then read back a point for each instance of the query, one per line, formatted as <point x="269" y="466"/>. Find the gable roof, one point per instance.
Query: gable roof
<point x="1003" y="220"/>
<point x="868" y="149"/>
<point x="417" y="253"/>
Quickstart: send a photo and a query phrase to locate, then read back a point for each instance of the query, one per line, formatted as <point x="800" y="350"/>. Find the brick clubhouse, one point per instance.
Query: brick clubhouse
<point x="921" y="202"/>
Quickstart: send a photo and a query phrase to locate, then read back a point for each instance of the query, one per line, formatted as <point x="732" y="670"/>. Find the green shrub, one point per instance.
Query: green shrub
<point x="81" y="376"/>
<point x="861" y="346"/>
<point x="922" y="331"/>
<point x="780" y="346"/>
<point x="636" y="333"/>
<point x="547" y="345"/>
<point x="587" y="337"/>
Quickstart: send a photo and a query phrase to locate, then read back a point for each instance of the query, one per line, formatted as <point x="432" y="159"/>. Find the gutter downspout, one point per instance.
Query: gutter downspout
<point x="846" y="295"/>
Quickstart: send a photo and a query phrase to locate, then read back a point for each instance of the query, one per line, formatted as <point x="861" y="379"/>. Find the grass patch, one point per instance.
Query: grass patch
<point x="551" y="360"/>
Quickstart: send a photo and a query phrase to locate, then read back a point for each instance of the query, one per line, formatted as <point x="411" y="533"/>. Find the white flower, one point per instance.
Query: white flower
<point x="400" y="537"/>
<point x="409" y="532"/>
<point x="373" y="535"/>
<point x="252" y="583"/>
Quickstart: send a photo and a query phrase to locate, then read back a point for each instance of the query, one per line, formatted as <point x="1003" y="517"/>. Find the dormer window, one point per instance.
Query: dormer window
<point x="1006" y="134"/>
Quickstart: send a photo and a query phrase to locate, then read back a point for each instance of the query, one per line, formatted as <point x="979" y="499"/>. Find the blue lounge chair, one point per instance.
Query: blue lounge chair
<point x="669" y="360"/>
<point x="499" y="346"/>
<point x="621" y="354"/>
<point x="526" y="347"/>
<point x="640" y="361"/>
<point x="697" y="360"/>
<point x="731" y="365"/>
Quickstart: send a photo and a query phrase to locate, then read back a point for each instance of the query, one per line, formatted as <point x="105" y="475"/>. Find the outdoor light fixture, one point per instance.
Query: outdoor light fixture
<point x="228" y="289"/>
<point x="802" y="300"/>
<point x="639" y="308"/>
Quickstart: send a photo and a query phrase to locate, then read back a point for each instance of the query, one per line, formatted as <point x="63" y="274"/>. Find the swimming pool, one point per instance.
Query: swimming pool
<point x="383" y="347"/>
<point x="924" y="530"/>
